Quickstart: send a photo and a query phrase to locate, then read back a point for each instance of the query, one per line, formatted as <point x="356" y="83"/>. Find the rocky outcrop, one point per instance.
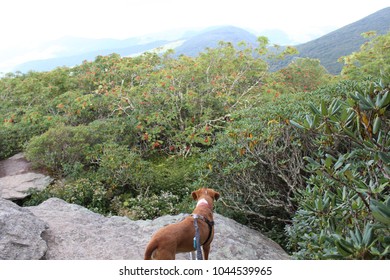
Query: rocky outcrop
<point x="20" y="233"/>
<point x="76" y="233"/>
<point x="56" y="229"/>
<point x="17" y="178"/>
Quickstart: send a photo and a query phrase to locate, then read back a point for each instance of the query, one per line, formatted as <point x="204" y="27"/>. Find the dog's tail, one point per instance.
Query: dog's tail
<point x="152" y="246"/>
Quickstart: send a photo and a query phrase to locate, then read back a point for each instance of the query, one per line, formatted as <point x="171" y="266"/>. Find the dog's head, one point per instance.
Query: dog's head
<point x="205" y="196"/>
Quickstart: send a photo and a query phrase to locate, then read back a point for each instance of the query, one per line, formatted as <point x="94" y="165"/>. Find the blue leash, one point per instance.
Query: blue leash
<point x="197" y="244"/>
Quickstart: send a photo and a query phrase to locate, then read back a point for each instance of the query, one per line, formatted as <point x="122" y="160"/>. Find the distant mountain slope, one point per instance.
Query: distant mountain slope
<point x="210" y="39"/>
<point x="329" y="48"/>
<point x="69" y="61"/>
<point x="72" y="46"/>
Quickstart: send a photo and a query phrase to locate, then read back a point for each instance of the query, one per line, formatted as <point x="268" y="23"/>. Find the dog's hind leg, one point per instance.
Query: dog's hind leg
<point x="206" y="251"/>
<point x="163" y="254"/>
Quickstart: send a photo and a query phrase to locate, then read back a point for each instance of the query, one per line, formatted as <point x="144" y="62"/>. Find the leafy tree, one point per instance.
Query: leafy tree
<point x="304" y="74"/>
<point x="373" y="59"/>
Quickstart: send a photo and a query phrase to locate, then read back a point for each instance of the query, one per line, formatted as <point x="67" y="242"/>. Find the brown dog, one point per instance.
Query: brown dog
<point x="178" y="238"/>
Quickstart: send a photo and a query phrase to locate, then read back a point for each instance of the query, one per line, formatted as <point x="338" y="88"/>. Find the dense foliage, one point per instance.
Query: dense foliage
<point x="344" y="210"/>
<point x="296" y="147"/>
<point x="373" y="58"/>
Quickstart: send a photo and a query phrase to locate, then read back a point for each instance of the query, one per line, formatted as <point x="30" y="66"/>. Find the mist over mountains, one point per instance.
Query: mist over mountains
<point x="328" y="48"/>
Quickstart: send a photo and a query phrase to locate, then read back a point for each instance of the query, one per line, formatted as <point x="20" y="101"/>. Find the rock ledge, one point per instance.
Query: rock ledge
<point x="76" y="233"/>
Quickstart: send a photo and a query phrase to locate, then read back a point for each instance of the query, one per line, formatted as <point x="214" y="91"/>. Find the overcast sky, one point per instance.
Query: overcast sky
<point x="28" y="23"/>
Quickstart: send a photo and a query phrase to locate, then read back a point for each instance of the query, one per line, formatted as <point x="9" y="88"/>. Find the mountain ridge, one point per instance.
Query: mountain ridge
<point x="347" y="39"/>
<point x="210" y="39"/>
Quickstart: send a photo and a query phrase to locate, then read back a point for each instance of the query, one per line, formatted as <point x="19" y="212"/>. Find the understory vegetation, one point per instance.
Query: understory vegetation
<point x="298" y="154"/>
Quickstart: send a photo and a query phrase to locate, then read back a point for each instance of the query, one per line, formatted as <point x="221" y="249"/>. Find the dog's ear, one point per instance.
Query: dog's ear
<point x="194" y="195"/>
<point x="216" y="195"/>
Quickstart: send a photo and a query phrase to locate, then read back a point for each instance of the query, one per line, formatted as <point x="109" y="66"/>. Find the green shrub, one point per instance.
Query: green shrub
<point x="78" y="108"/>
<point x="257" y="164"/>
<point x="164" y="188"/>
<point x="304" y="74"/>
<point x="14" y="137"/>
<point x="61" y="149"/>
<point x="344" y="211"/>
<point x="149" y="206"/>
<point x="86" y="192"/>
<point x="120" y="169"/>
<point x="67" y="150"/>
<point x="174" y="174"/>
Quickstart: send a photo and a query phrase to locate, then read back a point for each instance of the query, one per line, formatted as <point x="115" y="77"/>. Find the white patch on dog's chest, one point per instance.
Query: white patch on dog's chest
<point x="202" y="201"/>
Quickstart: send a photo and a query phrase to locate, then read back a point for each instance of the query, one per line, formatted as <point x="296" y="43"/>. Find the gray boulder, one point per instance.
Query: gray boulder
<point x="14" y="165"/>
<point x="17" y="187"/>
<point x="77" y="233"/>
<point x="17" y="178"/>
<point x="20" y="233"/>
